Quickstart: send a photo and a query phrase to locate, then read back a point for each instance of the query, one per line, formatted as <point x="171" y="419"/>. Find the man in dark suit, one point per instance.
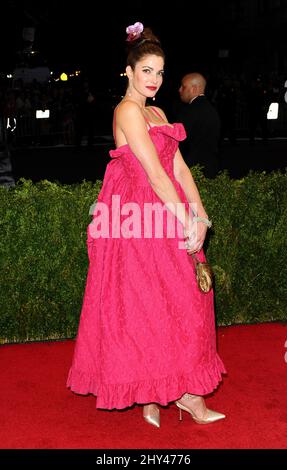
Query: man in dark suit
<point x="202" y="125"/>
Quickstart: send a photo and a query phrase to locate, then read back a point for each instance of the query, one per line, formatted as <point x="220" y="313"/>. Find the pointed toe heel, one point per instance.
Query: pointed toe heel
<point x="210" y="415"/>
<point x="152" y="416"/>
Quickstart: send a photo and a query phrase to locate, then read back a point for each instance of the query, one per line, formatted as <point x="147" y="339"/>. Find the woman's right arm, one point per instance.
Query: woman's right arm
<point x="132" y="127"/>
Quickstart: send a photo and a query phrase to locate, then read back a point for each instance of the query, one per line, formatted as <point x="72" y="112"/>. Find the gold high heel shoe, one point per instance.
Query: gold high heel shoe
<point x="211" y="416"/>
<point x="152" y="415"/>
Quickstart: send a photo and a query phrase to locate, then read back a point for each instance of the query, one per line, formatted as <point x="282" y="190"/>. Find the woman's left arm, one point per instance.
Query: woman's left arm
<point x="184" y="177"/>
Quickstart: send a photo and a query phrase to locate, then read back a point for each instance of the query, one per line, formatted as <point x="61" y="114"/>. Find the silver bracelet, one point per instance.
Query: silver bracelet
<point x="202" y="219"/>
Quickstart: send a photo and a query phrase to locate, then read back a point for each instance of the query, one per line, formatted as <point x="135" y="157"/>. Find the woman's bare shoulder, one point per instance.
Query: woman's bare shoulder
<point x="128" y="112"/>
<point x="128" y="106"/>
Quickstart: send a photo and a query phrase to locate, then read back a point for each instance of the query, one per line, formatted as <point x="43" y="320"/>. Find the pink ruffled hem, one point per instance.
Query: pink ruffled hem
<point x="161" y="391"/>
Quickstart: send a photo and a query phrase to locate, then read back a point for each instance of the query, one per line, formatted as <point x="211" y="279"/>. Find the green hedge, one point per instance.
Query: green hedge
<point x="44" y="259"/>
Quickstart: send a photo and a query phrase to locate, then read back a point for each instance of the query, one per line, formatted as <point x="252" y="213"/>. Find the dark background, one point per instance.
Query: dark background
<point x="237" y="40"/>
<point x="192" y="33"/>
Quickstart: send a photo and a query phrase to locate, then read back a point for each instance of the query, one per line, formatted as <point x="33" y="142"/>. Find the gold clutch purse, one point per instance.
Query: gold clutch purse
<point x="204" y="275"/>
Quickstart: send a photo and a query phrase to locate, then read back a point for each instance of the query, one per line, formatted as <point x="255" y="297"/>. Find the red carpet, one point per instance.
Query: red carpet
<point x="38" y="412"/>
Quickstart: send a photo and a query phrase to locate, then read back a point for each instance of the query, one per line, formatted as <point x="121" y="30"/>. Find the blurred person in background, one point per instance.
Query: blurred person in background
<point x="202" y="125"/>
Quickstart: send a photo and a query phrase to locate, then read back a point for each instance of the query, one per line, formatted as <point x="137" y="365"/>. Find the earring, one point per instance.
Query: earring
<point x="153" y="98"/>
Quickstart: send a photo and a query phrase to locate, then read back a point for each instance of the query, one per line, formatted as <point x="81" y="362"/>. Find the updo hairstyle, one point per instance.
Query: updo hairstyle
<point x="146" y="44"/>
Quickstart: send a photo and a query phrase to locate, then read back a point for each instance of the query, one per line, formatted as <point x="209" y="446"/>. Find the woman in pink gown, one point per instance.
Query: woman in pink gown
<point x="147" y="333"/>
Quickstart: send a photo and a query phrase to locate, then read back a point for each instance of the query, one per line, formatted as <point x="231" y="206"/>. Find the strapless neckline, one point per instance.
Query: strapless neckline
<point x="172" y="127"/>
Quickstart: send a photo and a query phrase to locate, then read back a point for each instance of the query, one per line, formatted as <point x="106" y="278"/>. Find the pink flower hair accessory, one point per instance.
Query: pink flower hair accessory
<point x="134" y="31"/>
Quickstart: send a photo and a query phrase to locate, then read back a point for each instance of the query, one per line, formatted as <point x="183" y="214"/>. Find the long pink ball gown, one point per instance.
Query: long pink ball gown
<point x="146" y="332"/>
